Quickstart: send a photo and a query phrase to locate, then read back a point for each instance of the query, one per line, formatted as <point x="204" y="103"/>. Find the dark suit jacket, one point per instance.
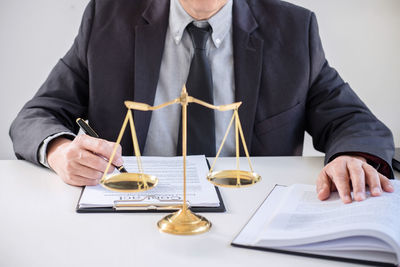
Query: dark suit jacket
<point x="281" y="75"/>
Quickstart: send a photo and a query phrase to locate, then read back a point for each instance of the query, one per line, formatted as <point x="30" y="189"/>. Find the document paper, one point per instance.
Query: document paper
<point x="169" y="190"/>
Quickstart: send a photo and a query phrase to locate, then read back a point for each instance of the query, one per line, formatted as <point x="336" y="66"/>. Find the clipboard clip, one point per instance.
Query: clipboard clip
<point x="168" y="202"/>
<point x="118" y="206"/>
<point x="155" y="197"/>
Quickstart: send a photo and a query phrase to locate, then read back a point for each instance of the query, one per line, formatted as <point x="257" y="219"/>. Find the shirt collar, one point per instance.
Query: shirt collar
<point x="220" y="23"/>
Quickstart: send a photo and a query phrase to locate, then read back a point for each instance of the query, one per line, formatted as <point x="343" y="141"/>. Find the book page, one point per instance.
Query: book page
<point x="254" y="227"/>
<point x="302" y="214"/>
<point x="169" y="171"/>
<point x="301" y="222"/>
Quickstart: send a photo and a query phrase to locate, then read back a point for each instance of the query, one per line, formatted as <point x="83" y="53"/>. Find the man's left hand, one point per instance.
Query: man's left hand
<point x="346" y="173"/>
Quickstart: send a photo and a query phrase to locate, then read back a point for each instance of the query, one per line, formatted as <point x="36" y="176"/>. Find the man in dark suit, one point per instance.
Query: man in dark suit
<point x="265" y="53"/>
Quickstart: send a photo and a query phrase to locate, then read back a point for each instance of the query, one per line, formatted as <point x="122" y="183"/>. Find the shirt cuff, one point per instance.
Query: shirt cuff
<point x="42" y="152"/>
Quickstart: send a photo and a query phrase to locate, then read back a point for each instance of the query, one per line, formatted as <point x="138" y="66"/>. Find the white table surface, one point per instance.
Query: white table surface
<point x="40" y="227"/>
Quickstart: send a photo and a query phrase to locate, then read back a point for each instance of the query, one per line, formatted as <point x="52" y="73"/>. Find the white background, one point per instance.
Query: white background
<point x="361" y="40"/>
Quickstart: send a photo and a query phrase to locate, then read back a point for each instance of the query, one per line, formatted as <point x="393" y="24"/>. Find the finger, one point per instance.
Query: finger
<point x="342" y="182"/>
<point x="324" y="184"/>
<point x="93" y="161"/>
<point x="80" y="181"/>
<point x="88" y="172"/>
<point x="100" y="147"/>
<point x="357" y="178"/>
<point x="372" y="179"/>
<point x="386" y="183"/>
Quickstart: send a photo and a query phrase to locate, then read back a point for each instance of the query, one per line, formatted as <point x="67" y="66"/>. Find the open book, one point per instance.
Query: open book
<point x="202" y="196"/>
<point x="293" y="220"/>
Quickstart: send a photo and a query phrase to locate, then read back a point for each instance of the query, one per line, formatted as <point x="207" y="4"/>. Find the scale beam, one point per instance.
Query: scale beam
<point x="182" y="222"/>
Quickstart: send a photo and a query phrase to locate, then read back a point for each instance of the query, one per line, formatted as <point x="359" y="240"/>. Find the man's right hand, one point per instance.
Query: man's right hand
<point x="81" y="161"/>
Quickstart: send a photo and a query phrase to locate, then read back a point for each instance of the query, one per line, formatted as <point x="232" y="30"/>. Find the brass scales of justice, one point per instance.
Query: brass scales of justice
<point x="183" y="221"/>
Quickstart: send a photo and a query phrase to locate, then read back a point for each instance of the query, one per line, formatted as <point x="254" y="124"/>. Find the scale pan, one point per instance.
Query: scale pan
<point x="129" y="182"/>
<point x="233" y="178"/>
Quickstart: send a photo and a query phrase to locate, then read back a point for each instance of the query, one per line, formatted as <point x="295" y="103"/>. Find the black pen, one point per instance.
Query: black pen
<point x="89" y="131"/>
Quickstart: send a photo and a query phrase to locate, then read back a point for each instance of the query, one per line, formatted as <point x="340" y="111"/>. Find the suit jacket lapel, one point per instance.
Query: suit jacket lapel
<point x="149" y="47"/>
<point x="247" y="53"/>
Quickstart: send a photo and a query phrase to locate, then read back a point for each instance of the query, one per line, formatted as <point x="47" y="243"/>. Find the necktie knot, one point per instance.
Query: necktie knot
<point x="199" y="36"/>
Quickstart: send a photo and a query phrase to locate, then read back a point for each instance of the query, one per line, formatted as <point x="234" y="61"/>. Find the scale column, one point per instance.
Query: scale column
<point x="184" y="103"/>
<point x="184" y="222"/>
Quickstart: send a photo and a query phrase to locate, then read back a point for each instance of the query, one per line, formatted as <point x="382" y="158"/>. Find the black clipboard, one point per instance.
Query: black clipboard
<point x="365" y="262"/>
<point x="318" y="256"/>
<point x="151" y="208"/>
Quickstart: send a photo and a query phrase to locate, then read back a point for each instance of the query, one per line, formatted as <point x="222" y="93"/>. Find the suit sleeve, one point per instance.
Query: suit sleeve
<point x="338" y="121"/>
<point x="60" y="100"/>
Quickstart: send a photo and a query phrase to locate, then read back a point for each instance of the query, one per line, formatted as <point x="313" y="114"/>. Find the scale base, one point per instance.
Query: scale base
<point x="129" y="182"/>
<point x="184" y="222"/>
<point x="233" y="178"/>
